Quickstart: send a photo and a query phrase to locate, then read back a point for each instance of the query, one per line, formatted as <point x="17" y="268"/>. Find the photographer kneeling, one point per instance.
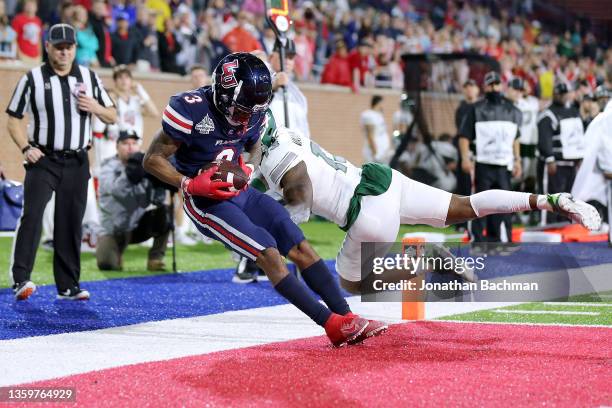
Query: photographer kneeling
<point x="126" y="193"/>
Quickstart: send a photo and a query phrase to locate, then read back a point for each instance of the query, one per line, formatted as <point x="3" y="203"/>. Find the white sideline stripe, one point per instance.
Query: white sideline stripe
<point x="46" y="357"/>
<point x="577" y="304"/>
<point x="541" y="312"/>
<point x="603" y="326"/>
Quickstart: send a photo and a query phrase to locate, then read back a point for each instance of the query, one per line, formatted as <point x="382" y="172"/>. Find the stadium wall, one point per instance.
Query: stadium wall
<point x="333" y="113"/>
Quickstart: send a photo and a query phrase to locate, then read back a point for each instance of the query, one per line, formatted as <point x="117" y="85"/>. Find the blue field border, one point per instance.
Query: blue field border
<point x="121" y="302"/>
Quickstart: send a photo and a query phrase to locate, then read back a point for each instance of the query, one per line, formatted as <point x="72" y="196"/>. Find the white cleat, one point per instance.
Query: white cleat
<point x="576" y="210"/>
<point x="74" y="294"/>
<point x="24" y="290"/>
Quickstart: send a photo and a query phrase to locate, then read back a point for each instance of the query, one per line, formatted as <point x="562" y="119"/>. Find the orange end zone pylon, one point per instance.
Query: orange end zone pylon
<point x="412" y="307"/>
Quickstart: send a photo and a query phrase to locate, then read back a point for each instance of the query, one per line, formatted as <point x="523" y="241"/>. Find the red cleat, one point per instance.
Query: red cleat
<point x="343" y="330"/>
<point x="374" y="328"/>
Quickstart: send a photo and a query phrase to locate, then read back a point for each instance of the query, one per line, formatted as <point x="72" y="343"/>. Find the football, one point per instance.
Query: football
<point x="230" y="172"/>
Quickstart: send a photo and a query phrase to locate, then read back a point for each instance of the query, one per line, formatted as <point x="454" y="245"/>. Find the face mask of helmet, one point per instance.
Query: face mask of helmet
<point x="238" y="115"/>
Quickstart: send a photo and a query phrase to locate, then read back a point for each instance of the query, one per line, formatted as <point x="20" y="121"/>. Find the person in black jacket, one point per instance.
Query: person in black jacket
<point x="491" y="130"/>
<point x="560" y="144"/>
<point x="126" y="42"/>
<point x="168" y="48"/>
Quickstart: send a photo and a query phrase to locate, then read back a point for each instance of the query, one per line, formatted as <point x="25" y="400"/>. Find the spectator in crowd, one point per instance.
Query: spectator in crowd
<point x="29" y="33"/>
<point x="66" y="13"/>
<point x="240" y="38"/>
<point x="168" y="49"/>
<point x="87" y="42"/>
<point x="125" y="42"/>
<point x="187" y="37"/>
<point x="98" y="18"/>
<point x="123" y="9"/>
<point x="305" y="50"/>
<point x="162" y="12"/>
<point x="297" y="104"/>
<point x="8" y="37"/>
<point x="211" y="48"/>
<point x="199" y="76"/>
<point x="337" y="71"/>
<point x="125" y="194"/>
<point x="148" y="51"/>
<point x="360" y="61"/>
<point x="378" y="145"/>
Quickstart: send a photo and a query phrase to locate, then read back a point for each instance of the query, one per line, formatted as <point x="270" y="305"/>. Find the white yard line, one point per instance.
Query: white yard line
<point x="577" y="304"/>
<point x="602" y="326"/>
<point x="543" y="312"/>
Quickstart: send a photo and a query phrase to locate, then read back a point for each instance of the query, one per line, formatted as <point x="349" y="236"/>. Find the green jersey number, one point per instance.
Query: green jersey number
<point x="334" y="161"/>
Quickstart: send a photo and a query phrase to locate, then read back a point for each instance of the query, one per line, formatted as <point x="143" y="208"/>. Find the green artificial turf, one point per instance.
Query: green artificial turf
<point x="603" y="310"/>
<point x="325" y="237"/>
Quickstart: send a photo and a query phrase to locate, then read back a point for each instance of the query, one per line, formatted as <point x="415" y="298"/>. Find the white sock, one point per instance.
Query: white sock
<point x="499" y="202"/>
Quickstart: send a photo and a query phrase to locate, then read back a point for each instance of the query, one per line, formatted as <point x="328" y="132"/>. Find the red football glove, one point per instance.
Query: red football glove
<point x="247" y="168"/>
<point x="202" y="185"/>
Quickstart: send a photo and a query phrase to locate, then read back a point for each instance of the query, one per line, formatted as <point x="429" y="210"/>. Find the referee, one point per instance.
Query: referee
<point x="60" y="97"/>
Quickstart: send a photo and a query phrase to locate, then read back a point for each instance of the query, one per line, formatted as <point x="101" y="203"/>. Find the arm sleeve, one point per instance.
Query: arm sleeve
<point x="253" y="136"/>
<point x="468" y="124"/>
<point x="100" y="93"/>
<point x="545" y="134"/>
<point x="278" y="160"/>
<point x="176" y="120"/>
<point x="20" y="101"/>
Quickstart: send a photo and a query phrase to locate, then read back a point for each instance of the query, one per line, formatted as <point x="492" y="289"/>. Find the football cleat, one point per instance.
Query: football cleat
<point x="341" y="330"/>
<point x="246" y="271"/>
<point x="576" y="210"/>
<point x="74" y="294"/>
<point x="374" y="328"/>
<point x="24" y="290"/>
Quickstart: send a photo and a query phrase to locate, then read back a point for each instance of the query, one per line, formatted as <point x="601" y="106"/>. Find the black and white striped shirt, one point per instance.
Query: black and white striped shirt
<point x="55" y="120"/>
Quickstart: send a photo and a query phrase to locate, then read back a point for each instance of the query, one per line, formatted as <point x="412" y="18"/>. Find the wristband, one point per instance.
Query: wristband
<point x="25" y="149"/>
<point x="185" y="183"/>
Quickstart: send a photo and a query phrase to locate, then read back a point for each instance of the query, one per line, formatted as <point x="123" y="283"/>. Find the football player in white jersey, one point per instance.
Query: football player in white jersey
<point x="371" y="202"/>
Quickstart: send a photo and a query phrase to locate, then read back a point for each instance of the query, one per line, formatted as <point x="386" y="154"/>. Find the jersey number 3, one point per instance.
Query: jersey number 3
<point x="228" y="79"/>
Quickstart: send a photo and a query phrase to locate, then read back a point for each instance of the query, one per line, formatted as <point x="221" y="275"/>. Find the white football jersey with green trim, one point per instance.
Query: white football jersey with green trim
<point x="333" y="178"/>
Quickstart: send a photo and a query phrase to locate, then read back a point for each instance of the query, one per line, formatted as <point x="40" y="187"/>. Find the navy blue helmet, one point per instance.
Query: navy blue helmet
<point x="242" y="87"/>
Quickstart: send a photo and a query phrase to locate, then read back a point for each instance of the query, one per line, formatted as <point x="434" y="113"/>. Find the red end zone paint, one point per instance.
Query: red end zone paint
<point x="424" y="363"/>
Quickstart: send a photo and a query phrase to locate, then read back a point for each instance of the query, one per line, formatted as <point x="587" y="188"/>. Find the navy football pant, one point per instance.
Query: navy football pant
<point x="246" y="224"/>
